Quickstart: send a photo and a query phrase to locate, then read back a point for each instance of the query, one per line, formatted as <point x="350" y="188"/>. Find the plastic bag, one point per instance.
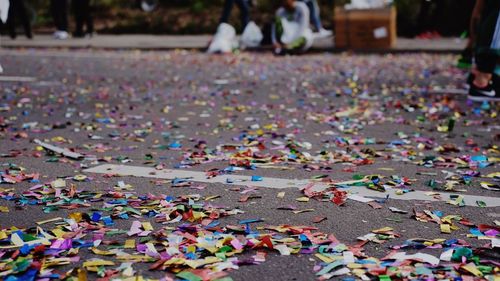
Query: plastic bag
<point x="292" y="32"/>
<point x="224" y="40"/>
<point x="252" y="35"/>
<point x="4" y="10"/>
<point x="368" y="4"/>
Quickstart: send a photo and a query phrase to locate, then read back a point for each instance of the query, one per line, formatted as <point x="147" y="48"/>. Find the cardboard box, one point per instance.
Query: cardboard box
<point x="365" y="28"/>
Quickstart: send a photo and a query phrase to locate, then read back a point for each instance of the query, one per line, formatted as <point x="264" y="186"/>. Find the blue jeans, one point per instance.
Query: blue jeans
<point x="314" y="13"/>
<point x="244" y="7"/>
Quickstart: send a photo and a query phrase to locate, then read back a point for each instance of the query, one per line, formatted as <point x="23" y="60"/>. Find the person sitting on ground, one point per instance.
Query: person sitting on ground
<point x="485" y="78"/>
<point x="316" y="18"/>
<point x="17" y="10"/>
<point x="291" y="32"/>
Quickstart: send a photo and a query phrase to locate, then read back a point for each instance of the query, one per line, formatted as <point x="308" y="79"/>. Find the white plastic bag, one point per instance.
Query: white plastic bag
<point x="291" y="32"/>
<point x="4" y="10"/>
<point x="367" y="4"/>
<point x="252" y="35"/>
<point x="224" y="40"/>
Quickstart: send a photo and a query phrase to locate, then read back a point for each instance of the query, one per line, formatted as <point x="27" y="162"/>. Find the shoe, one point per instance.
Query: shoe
<point x="489" y="93"/>
<point x="435" y="35"/>
<point x="279" y="52"/>
<point x="323" y="33"/>
<point x="465" y="59"/>
<point x="78" y="35"/>
<point x="424" y="35"/>
<point x="61" y="35"/>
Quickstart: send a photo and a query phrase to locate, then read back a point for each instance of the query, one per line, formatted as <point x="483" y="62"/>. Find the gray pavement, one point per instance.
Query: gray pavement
<point x="323" y="117"/>
<point x="199" y="42"/>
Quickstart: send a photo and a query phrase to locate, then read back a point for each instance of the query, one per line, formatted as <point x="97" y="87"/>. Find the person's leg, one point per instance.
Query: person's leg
<point x="23" y="16"/>
<point x="314" y="14"/>
<point x="485" y="85"/>
<point x="488" y="44"/>
<point x="423" y="22"/>
<point x="276" y="33"/>
<point x="226" y="12"/>
<point x="54" y="9"/>
<point x="78" y="9"/>
<point x="244" y="7"/>
<point x="438" y="14"/>
<point x="88" y="17"/>
<point x="11" y="21"/>
<point x="64" y="14"/>
<point x="277" y="30"/>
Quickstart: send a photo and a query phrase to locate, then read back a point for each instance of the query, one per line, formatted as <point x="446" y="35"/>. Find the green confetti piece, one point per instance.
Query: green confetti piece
<point x="384" y="278"/>
<point x="186" y="275"/>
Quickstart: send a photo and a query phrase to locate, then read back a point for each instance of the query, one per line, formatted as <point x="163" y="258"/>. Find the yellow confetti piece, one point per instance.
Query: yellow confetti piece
<point x="80" y="177"/>
<point x="198" y="215"/>
<point x="97" y="262"/>
<point x="281" y="195"/>
<point x="324" y="258"/>
<point x="58" y="232"/>
<point x="59" y="183"/>
<point x="101" y="252"/>
<point x="198" y="263"/>
<point x="457" y="201"/>
<point x="493" y="175"/>
<point x="82" y="275"/>
<point x="4" y="209"/>
<point x="354" y="266"/>
<point x="212" y="197"/>
<point x="16" y="240"/>
<point x="382" y="230"/>
<point x="56" y="262"/>
<point x="49" y="220"/>
<point x="303" y="199"/>
<point x="134" y="258"/>
<point x="77" y="217"/>
<point x="445" y="228"/>
<point x="129" y="244"/>
<point x="473" y="269"/>
<point x="494" y="160"/>
<point x="147" y="226"/>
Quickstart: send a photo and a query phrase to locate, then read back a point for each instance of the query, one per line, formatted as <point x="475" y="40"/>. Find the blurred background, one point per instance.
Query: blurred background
<point x="451" y="18"/>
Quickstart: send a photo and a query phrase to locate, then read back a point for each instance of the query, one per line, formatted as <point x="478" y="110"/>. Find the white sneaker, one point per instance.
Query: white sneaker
<point x="323" y="33"/>
<point x="61" y="35"/>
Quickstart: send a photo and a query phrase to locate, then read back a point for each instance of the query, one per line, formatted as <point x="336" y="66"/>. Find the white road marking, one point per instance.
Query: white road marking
<point x="278" y="183"/>
<point x="17" y="79"/>
<point x="452" y="91"/>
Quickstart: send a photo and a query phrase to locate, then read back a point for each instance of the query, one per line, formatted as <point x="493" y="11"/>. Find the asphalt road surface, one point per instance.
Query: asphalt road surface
<point x="320" y="117"/>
